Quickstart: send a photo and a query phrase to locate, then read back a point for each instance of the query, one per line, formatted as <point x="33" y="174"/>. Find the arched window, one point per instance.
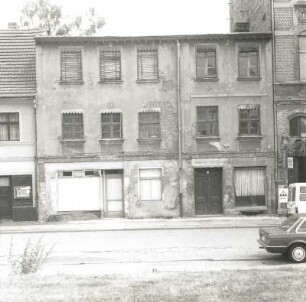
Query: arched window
<point x="298" y="126"/>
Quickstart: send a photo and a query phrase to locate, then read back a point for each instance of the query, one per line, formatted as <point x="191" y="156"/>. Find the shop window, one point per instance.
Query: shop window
<point x="72" y="126"/>
<point x="249" y="120"/>
<point x="207" y="121"/>
<point x="111" y="125"/>
<point x="110" y="65"/>
<point x="71" y="66"/>
<point x="206" y="62"/>
<point x="250" y="186"/>
<point x="147" y="65"/>
<point x="9" y="126"/>
<point x="150" y="184"/>
<point x="298" y="126"/>
<point x="149" y="125"/>
<point x="248" y="62"/>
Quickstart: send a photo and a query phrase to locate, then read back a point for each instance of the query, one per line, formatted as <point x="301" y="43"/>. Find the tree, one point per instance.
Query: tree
<point x="42" y="14"/>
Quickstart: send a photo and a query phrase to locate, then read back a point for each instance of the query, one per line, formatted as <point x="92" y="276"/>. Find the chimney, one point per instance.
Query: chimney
<point x="12" y="25"/>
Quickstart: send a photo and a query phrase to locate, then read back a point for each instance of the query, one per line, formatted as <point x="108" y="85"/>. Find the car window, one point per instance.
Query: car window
<point x="293" y="194"/>
<point x="302" y="228"/>
<point x="290" y="221"/>
<point x="302" y="189"/>
<point x="302" y="197"/>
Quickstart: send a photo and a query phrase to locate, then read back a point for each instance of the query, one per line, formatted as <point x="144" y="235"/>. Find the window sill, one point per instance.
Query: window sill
<point x="249" y="137"/>
<point x="111" y="140"/>
<point x="251" y="208"/>
<point x="149" y="140"/>
<point x="208" y="79"/>
<point x="78" y="141"/>
<point x="248" y="78"/>
<point x="71" y="83"/>
<point x="153" y="81"/>
<point x="107" y="82"/>
<point x="207" y="138"/>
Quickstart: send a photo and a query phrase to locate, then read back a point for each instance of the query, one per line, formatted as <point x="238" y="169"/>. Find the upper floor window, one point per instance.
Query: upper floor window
<point x="71" y="66"/>
<point x="72" y="126"/>
<point x="206" y="62"/>
<point x="111" y="125"/>
<point x="149" y="125"/>
<point x="110" y="65"/>
<point x="302" y="57"/>
<point x="207" y="121"/>
<point x="248" y="62"/>
<point x="298" y="126"/>
<point x="9" y="126"/>
<point x="249" y="120"/>
<point x="147" y="65"/>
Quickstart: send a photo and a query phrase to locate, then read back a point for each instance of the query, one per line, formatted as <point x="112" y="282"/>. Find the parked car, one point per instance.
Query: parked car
<point x="288" y="239"/>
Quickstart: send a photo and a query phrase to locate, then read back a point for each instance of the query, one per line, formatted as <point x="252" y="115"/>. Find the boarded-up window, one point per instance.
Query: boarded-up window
<point x="207" y="121"/>
<point x="302" y="51"/>
<point x="206" y="64"/>
<point x="298" y="126"/>
<point x="249" y="121"/>
<point x="248" y="62"/>
<point x="149" y="125"/>
<point x="9" y="126"/>
<point x="71" y="66"/>
<point x="147" y="61"/>
<point x="250" y="186"/>
<point x="72" y="126"/>
<point x="150" y="184"/>
<point x="110" y="65"/>
<point x="111" y="125"/>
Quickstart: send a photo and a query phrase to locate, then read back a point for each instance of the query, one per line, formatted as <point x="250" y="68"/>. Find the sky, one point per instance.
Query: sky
<point x="141" y="17"/>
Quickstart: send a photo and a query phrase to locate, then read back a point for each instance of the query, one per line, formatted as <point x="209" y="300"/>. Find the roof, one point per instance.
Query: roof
<point x="171" y="38"/>
<point x="17" y="63"/>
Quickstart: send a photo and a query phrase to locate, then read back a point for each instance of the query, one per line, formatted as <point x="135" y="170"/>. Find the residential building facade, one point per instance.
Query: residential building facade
<point x="154" y="126"/>
<point x="17" y="125"/>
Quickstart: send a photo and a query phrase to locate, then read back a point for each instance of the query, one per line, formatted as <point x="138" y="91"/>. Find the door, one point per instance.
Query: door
<point x="208" y="191"/>
<point x="5" y="197"/>
<point x="114" y="192"/>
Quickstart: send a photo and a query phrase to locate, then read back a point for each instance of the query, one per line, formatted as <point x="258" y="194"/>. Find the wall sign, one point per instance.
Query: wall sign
<point x="282" y="195"/>
<point x="290" y="162"/>
<point x="22" y="192"/>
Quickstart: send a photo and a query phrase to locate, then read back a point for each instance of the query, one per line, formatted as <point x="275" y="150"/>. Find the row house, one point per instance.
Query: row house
<point x="17" y="125"/>
<point x="162" y="126"/>
<point x="286" y="19"/>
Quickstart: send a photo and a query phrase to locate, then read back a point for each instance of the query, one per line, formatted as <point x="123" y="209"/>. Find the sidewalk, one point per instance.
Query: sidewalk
<point x="124" y="224"/>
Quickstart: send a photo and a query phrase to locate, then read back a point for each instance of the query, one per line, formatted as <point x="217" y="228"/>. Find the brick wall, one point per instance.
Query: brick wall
<point x="285" y="58"/>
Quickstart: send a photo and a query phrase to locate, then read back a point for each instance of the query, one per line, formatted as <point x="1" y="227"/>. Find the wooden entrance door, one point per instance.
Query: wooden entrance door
<point x="5" y="197"/>
<point x="208" y="191"/>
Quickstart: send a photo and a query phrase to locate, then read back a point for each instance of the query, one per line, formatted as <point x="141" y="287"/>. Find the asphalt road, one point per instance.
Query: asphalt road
<point x="147" y="250"/>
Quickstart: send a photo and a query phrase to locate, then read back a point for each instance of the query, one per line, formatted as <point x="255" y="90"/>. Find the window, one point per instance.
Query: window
<point x="150" y="184"/>
<point x="249" y="121"/>
<point x="207" y="121"/>
<point x="147" y="61"/>
<point x="72" y="126"/>
<point x="111" y="125"/>
<point x="298" y="126"/>
<point x="248" y="63"/>
<point x="250" y="186"/>
<point x="149" y="125"/>
<point x="206" y="64"/>
<point x="302" y="227"/>
<point x="71" y="66"/>
<point x="9" y="126"/>
<point x="110" y="65"/>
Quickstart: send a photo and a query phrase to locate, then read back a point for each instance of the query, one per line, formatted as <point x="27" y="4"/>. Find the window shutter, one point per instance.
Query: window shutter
<point x="147" y="65"/>
<point x="110" y="65"/>
<point x="71" y="66"/>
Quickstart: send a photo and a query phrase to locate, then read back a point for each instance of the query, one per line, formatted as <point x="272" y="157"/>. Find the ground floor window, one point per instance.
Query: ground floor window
<point x="150" y="184"/>
<point x="250" y="186"/>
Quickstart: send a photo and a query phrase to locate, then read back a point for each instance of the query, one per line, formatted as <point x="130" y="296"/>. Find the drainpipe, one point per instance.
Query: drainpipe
<point x="36" y="158"/>
<point x="275" y="141"/>
<point x="179" y="117"/>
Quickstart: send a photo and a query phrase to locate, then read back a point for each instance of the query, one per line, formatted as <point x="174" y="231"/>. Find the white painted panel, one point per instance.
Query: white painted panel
<point x="78" y="194"/>
<point x="115" y="206"/>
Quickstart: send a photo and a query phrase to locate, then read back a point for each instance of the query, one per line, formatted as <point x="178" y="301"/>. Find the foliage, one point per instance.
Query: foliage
<point x="49" y="17"/>
<point x="33" y="256"/>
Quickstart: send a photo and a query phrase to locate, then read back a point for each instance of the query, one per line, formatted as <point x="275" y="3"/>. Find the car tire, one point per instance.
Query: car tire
<point x="297" y="253"/>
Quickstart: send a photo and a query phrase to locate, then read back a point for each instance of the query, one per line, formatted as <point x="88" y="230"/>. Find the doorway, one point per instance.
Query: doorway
<point x="6" y="198"/>
<point x="208" y="191"/>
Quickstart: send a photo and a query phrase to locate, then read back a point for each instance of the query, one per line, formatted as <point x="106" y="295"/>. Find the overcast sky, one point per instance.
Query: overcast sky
<point x="141" y="17"/>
